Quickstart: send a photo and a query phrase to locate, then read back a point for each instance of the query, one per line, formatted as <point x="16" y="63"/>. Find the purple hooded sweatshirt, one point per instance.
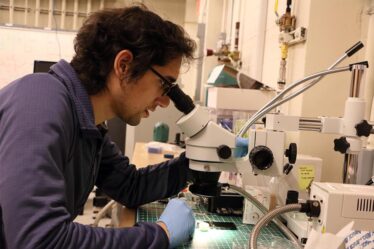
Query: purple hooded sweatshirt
<point x="51" y="156"/>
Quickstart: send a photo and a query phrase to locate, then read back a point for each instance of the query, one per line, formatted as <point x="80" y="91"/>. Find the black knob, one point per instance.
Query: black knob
<point x="224" y="151"/>
<point x="311" y="208"/>
<point x="261" y="157"/>
<point x="341" y="145"/>
<point x="292" y="197"/>
<point x="287" y="168"/>
<point x="363" y="128"/>
<point x="291" y="153"/>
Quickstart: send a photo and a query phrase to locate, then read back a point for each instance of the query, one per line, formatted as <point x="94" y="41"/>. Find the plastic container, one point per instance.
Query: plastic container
<point x="161" y="132"/>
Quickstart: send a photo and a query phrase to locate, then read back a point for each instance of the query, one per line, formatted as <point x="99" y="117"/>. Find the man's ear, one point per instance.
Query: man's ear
<point x="122" y="62"/>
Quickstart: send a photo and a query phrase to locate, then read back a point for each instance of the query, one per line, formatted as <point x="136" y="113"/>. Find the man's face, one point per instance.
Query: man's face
<point x="136" y="100"/>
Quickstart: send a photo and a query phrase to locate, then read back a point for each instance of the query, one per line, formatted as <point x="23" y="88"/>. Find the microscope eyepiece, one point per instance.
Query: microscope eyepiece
<point x="182" y="101"/>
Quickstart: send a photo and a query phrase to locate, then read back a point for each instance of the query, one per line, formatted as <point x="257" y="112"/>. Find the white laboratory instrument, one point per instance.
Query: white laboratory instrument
<point x="267" y="145"/>
<point x="341" y="204"/>
<point x="331" y="207"/>
<point x="211" y="148"/>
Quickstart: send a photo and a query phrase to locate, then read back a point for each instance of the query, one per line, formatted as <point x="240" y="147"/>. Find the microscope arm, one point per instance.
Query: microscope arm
<point x="280" y="99"/>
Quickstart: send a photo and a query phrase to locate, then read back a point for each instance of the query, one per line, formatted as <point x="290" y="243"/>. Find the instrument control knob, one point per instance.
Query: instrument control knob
<point x="291" y="153"/>
<point x="363" y="128"/>
<point x="224" y="151"/>
<point x="341" y="145"/>
<point x="261" y="157"/>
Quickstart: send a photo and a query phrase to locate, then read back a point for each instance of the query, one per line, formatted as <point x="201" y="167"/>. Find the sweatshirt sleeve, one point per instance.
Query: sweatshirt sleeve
<point x="35" y="125"/>
<point x="133" y="187"/>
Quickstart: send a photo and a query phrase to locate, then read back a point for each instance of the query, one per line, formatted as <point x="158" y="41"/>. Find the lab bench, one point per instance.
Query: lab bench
<point x="216" y="237"/>
<point x="213" y="238"/>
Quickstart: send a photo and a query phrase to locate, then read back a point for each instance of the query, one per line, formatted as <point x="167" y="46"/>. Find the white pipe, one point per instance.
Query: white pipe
<point x="63" y="14"/>
<point x="198" y="95"/>
<point x="224" y="17"/>
<point x="50" y="14"/>
<point x="89" y="7"/>
<point x="202" y="11"/>
<point x="369" y="79"/>
<point x="242" y="15"/>
<point x="235" y="18"/>
<point x="369" y="56"/>
<point x="260" y="51"/>
<point x="26" y="12"/>
<point x="37" y="12"/>
<point x="230" y="16"/>
<point x="11" y="13"/>
<point x="75" y="18"/>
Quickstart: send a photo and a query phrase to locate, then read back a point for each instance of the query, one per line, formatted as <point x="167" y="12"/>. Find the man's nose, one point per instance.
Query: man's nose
<point x="163" y="101"/>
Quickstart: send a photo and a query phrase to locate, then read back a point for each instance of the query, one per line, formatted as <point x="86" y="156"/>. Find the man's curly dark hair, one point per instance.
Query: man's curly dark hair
<point x="152" y="41"/>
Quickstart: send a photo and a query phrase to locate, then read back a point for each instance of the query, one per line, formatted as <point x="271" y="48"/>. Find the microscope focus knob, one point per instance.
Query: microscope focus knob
<point x="341" y="145"/>
<point x="363" y="129"/>
<point x="224" y="151"/>
<point x="291" y="153"/>
<point x="261" y="157"/>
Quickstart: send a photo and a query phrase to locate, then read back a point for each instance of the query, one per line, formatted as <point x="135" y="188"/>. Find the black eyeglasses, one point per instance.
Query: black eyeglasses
<point x="166" y="84"/>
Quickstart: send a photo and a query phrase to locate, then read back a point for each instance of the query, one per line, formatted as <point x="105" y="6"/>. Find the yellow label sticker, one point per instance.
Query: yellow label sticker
<point x="306" y="175"/>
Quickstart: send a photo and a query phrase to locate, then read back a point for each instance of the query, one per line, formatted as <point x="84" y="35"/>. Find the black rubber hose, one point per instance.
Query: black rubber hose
<point x="354" y="48"/>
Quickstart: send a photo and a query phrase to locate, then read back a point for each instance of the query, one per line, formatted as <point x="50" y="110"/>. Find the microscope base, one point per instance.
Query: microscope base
<point x="298" y="223"/>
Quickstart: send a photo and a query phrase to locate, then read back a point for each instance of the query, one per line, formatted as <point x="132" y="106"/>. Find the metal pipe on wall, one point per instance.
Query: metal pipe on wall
<point x="369" y="56"/>
<point x="42" y="11"/>
<point x="235" y="20"/>
<point x="260" y="54"/>
<point x="37" y="12"/>
<point x="25" y="16"/>
<point x="224" y="17"/>
<point x="75" y="17"/>
<point x="201" y="30"/>
<point x="89" y="7"/>
<point x="11" y="12"/>
<point x="50" y="13"/>
<point x="63" y="13"/>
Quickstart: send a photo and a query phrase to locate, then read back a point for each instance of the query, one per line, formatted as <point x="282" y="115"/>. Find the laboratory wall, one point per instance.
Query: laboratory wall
<point x="19" y="47"/>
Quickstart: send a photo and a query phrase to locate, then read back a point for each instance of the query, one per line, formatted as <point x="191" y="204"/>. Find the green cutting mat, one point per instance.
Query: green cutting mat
<point x="270" y="235"/>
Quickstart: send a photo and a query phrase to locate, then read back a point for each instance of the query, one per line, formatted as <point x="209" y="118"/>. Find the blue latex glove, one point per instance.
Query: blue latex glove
<point x="241" y="146"/>
<point x="179" y="220"/>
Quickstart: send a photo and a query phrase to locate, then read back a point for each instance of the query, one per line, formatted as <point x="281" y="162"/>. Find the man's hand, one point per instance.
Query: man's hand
<point x="179" y="221"/>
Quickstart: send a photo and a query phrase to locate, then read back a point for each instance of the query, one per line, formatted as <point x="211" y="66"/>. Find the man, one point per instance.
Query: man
<point x="53" y="146"/>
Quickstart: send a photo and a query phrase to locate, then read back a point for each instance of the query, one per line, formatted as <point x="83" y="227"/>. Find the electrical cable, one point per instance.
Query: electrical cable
<point x="103" y="212"/>
<point x="268" y="217"/>
<point x="287" y="98"/>
<point x="273" y="102"/>
<point x="264" y="210"/>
